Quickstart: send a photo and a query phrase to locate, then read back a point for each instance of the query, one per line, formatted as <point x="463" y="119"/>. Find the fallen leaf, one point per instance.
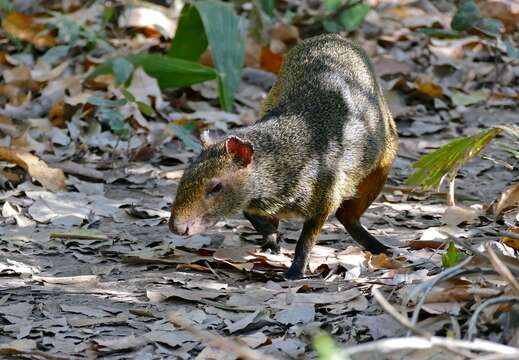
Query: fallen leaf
<point x="455" y="215"/>
<point x="509" y="199"/>
<point x="461" y="99"/>
<point x="28" y="29"/>
<point x="429" y="88"/>
<point x="296" y="313"/>
<point x="50" y="178"/>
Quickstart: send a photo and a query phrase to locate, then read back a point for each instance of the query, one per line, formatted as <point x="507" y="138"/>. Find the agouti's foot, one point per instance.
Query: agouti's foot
<point x="294" y="273"/>
<point x="271" y="243"/>
<point x="379" y="249"/>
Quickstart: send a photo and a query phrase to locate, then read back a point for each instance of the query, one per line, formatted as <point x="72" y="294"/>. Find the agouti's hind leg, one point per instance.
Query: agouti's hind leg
<point x="268" y="228"/>
<point x="364" y="238"/>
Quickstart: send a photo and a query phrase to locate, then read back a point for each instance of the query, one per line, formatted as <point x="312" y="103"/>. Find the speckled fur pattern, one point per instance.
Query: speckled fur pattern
<point x="325" y="127"/>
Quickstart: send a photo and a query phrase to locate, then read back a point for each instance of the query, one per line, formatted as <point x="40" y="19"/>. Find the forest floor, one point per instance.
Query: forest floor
<point x="90" y="269"/>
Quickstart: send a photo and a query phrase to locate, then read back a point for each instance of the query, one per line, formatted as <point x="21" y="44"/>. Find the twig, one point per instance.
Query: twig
<point x="391" y="310"/>
<point x="74" y="168"/>
<point x="501" y="268"/>
<point x="509" y="234"/>
<point x="474" y="319"/>
<point x="218" y="341"/>
<point x="416" y="342"/>
<point x="425" y="288"/>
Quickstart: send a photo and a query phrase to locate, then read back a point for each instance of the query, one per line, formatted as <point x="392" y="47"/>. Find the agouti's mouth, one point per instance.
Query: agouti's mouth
<point x="186" y="232"/>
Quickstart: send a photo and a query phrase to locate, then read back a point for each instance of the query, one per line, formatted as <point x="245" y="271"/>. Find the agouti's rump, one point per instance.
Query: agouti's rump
<point x="324" y="144"/>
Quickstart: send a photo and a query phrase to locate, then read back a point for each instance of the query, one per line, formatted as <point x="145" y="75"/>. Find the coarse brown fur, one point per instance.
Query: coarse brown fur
<point x="325" y="143"/>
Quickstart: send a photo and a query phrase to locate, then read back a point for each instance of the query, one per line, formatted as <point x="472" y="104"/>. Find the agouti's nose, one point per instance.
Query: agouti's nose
<point x="179" y="229"/>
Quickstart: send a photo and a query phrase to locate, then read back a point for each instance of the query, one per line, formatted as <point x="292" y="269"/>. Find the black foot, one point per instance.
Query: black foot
<point x="271" y="243"/>
<point x="379" y="249"/>
<point x="294" y="273"/>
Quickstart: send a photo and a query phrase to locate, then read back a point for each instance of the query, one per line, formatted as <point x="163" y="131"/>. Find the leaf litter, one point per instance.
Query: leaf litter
<point x="88" y="265"/>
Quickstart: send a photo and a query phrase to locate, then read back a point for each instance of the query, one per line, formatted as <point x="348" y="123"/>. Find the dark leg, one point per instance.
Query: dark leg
<point x="268" y="228"/>
<point x="306" y="242"/>
<point x="364" y="238"/>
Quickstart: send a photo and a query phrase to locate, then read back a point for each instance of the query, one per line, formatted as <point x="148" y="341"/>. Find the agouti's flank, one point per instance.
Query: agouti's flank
<point x="324" y="145"/>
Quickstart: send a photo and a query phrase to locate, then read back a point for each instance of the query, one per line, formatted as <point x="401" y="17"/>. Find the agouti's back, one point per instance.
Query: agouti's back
<point x="324" y="144"/>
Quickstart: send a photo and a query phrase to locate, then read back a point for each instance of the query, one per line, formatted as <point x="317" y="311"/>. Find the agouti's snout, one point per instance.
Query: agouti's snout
<point x="177" y="228"/>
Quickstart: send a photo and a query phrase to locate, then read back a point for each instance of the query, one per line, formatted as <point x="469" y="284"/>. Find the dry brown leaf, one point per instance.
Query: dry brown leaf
<point x="429" y="88"/>
<point x="460" y="293"/>
<point x="382" y="261"/>
<point x="508" y="200"/>
<point x="27" y="29"/>
<point x="271" y="61"/>
<point x="50" y="178"/>
<point x="509" y="241"/>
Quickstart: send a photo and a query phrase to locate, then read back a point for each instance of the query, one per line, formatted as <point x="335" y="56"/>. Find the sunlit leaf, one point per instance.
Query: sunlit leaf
<point x="452" y="257"/>
<point x="190" y="40"/>
<point x="170" y="72"/>
<point x="226" y="36"/>
<point x="431" y="168"/>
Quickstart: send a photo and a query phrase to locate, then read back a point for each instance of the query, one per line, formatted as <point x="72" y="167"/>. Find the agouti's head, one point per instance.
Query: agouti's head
<point x="213" y="186"/>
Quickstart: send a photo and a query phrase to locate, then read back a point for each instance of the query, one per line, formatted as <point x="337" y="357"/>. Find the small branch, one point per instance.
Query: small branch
<point x="425" y="288"/>
<point x="501" y="268"/>
<point x="415" y="342"/>
<point x="509" y="234"/>
<point x="218" y="341"/>
<point x="391" y="310"/>
<point x="474" y="319"/>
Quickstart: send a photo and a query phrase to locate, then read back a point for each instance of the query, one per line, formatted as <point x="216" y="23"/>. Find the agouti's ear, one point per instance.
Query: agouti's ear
<point x="208" y="137"/>
<point x="241" y="149"/>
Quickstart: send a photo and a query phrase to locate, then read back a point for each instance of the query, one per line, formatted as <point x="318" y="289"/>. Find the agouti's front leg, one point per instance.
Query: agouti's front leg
<point x="306" y="242"/>
<point x="268" y="228"/>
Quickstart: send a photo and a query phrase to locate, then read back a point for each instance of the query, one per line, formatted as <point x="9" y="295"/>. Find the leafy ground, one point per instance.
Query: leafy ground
<point x="89" y="269"/>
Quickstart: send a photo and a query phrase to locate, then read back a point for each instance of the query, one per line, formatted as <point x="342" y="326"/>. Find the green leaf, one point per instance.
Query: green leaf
<point x="128" y="95"/>
<point x="185" y="136"/>
<point x="431" y="168"/>
<point x="122" y="70"/>
<point x="490" y="27"/>
<point x="145" y="109"/>
<point x="97" y="101"/>
<point x="170" y="72"/>
<point x="466" y="17"/>
<point x="332" y="5"/>
<point x="56" y="54"/>
<point x="190" y="40"/>
<point x="268" y="7"/>
<point x="353" y="17"/>
<point x="226" y="35"/>
<point x="327" y="349"/>
<point x="331" y="26"/>
<point x="440" y="33"/>
<point x="452" y="257"/>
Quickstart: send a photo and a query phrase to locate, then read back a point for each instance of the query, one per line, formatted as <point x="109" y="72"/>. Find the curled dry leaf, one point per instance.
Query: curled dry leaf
<point x="50" y="178"/>
<point x="508" y="200"/>
<point x="27" y="29"/>
<point x="429" y="88"/>
<point x="510" y="241"/>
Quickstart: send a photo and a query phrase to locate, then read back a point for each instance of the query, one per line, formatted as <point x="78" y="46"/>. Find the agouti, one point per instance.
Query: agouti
<point x="324" y="145"/>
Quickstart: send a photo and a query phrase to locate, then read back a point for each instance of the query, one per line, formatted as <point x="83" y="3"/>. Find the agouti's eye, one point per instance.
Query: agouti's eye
<point x="216" y="189"/>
